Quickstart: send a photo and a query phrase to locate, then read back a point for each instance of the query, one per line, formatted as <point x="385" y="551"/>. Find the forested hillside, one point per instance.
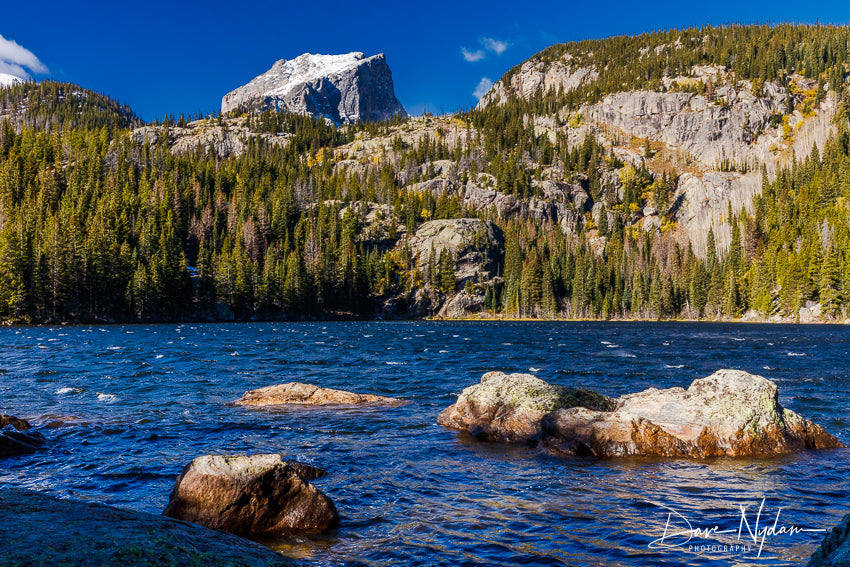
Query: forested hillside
<point x="274" y="215"/>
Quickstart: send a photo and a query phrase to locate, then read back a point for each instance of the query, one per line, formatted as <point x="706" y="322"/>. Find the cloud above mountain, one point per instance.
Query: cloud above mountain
<point x="484" y="85"/>
<point x="489" y="45"/>
<point x="19" y="61"/>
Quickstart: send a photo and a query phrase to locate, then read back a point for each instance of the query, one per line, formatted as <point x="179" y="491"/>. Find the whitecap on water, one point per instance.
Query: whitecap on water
<point x="797" y="354"/>
<point x="532" y="369"/>
<point x="234" y="353"/>
<point x="606" y="342"/>
<point x="61" y="391"/>
<point x="766" y="368"/>
<point x="113" y="348"/>
<point x="507" y="344"/>
<point x="159" y="356"/>
<point x="674" y="365"/>
<point x="443" y="351"/>
<point x="455" y="336"/>
<point x="107" y="398"/>
<point x="394" y="363"/>
<point x="368" y="336"/>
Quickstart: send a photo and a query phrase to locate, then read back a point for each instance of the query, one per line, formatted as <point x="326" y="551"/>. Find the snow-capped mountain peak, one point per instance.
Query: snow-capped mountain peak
<point x="7" y="80"/>
<point x="343" y="88"/>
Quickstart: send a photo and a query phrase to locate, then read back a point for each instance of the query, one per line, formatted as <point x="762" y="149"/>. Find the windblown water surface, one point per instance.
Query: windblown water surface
<point x="126" y="407"/>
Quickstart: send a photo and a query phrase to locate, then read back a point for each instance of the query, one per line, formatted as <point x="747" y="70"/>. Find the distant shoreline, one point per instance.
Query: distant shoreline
<point x="431" y="319"/>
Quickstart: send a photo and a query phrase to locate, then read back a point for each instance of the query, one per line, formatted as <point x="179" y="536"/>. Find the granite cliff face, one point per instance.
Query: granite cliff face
<point x="718" y="139"/>
<point x="342" y="88"/>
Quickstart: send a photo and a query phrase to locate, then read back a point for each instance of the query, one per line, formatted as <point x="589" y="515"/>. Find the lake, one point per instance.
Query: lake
<point x="136" y="403"/>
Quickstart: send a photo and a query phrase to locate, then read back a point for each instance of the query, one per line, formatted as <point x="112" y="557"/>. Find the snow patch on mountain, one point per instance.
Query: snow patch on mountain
<point x="7" y="80"/>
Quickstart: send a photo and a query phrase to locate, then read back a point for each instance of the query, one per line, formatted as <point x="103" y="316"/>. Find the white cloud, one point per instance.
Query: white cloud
<point x="472" y="56"/>
<point x="484" y="85"/>
<point x="494" y="45"/>
<point x="15" y="60"/>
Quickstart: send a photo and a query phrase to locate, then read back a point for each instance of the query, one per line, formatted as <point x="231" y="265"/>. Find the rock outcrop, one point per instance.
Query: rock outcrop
<point x="834" y="551"/>
<point x="536" y="76"/>
<point x="43" y="530"/>
<point x="16" y="437"/>
<point x="257" y="496"/>
<point x="342" y="88"/>
<point x="730" y="413"/>
<point x="229" y="137"/>
<point x="475" y="246"/>
<point x="463" y="304"/>
<point x="310" y="395"/>
<point x="510" y="407"/>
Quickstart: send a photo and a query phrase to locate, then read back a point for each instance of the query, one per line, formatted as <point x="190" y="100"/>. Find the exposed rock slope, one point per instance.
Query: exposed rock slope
<point x="730" y="413"/>
<point x="343" y="88"/>
<point x="43" y="530"/>
<point x="735" y="127"/>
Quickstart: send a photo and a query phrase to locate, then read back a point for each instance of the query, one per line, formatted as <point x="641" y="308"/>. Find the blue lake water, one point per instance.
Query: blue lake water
<point x="139" y="402"/>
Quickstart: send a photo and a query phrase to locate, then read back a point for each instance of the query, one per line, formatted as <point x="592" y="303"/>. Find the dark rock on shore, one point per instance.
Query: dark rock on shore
<point x="41" y="530"/>
<point x="16" y="437"/>
<point x="834" y="551"/>
<point x="730" y="413"/>
<point x="257" y="496"/>
<point x="305" y="471"/>
<point x="310" y="395"/>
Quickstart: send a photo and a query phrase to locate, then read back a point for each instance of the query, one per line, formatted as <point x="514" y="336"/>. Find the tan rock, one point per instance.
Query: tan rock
<point x="510" y="407"/>
<point x="310" y="395"/>
<point x="730" y="413"/>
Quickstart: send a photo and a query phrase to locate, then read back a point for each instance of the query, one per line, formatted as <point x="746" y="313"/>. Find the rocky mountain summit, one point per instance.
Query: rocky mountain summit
<point x="344" y="88"/>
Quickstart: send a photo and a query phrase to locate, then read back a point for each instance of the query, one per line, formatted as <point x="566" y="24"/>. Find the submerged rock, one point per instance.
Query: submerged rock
<point x="730" y="413"/>
<point x="310" y="395"/>
<point x="16" y="437"/>
<point x="510" y="407"/>
<point x="834" y="551"/>
<point x="44" y="530"/>
<point x="256" y="496"/>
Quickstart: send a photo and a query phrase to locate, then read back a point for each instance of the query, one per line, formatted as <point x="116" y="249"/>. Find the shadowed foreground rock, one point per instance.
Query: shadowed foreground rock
<point x="258" y="496"/>
<point x="730" y="413"/>
<point x="310" y="395"/>
<point x="41" y="530"/>
<point x="16" y="439"/>
<point x="834" y="551"/>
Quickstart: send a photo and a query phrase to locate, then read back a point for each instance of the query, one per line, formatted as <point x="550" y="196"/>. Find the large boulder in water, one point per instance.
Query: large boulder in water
<point x="510" y="407"/>
<point x="834" y="551"/>
<point x="310" y="395"/>
<point x="730" y="413"/>
<point x="16" y="437"/>
<point x="257" y="496"/>
<point x="43" y="530"/>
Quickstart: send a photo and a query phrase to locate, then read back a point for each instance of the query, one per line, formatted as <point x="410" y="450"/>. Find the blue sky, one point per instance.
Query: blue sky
<point x="167" y="57"/>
